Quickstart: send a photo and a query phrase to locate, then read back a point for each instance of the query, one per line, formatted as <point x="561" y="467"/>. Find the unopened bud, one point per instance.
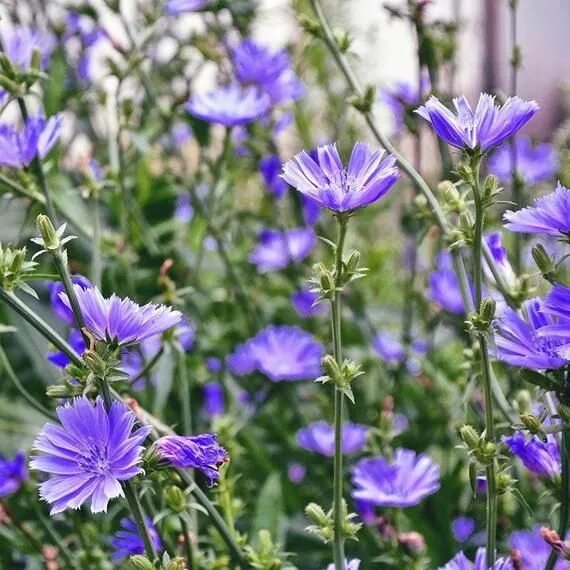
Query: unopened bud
<point x="488" y="307"/>
<point x="352" y="261"/>
<point x="139" y="562"/>
<point x="58" y="391"/>
<point x="48" y="233"/>
<point x="470" y="437"/>
<point x="531" y="423"/>
<point x="317" y="514"/>
<point x="504" y="483"/>
<point x="327" y="283"/>
<point x="95" y="362"/>
<point x="332" y="369"/>
<point x="311" y="26"/>
<point x="176" y="499"/>
<point x="544" y="262"/>
<point x="176" y="564"/>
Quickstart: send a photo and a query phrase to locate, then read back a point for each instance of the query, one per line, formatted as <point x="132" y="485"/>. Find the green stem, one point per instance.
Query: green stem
<point x="5" y="363"/>
<point x="338" y="516"/>
<point x="138" y="516"/>
<point x="60" y="260"/>
<point x="40" y="325"/>
<point x="491" y="469"/>
<point x="564" y="496"/>
<point x="187" y="543"/>
<point x="149" y="366"/>
<point x="96" y="260"/>
<point x="184" y="389"/>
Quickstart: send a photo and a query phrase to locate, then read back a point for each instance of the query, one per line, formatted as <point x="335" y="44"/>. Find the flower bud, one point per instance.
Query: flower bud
<point x="58" y="391"/>
<point x="317" y="514"/>
<point x="352" y="261"/>
<point x="544" y="262"/>
<point x="48" y="233"/>
<point x="531" y="423"/>
<point x="332" y="369"/>
<point x="176" y="564"/>
<point x="95" y="362"/>
<point x="176" y="499"/>
<point x="327" y="283"/>
<point x="139" y="562"/>
<point x="487" y="311"/>
<point x="470" y="437"/>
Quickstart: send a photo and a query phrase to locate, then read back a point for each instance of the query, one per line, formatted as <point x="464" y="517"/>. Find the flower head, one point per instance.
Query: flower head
<point x="462" y="528"/>
<point x="305" y="303"/>
<point x="404" y="482"/>
<point x="389" y="348"/>
<point x="13" y="473"/>
<point x="402" y="97"/>
<point x="230" y="105"/>
<point x="276" y="249"/>
<point x="282" y="353"/>
<point x="533" y="164"/>
<point x="20" y="42"/>
<point x="201" y="452"/>
<point x="121" y="320"/>
<point x="270" y="168"/>
<point x="461" y="562"/>
<point x="213" y="399"/>
<point x="75" y="340"/>
<point x="520" y="342"/>
<point x="353" y="564"/>
<point x="443" y="286"/>
<point x="271" y="72"/>
<point x="368" y="176"/>
<point x="532" y="549"/>
<point x="542" y="458"/>
<point x="88" y="455"/>
<point x="59" y="308"/>
<point x="486" y="128"/>
<point x="296" y="473"/>
<point x="550" y="215"/>
<point x="319" y="437"/>
<point x="37" y="137"/>
<point x="494" y="241"/>
<point x="128" y="542"/>
<point x="177" y="7"/>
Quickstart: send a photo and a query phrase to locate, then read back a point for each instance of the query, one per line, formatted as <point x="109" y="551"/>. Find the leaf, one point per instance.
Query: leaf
<point x="269" y="509"/>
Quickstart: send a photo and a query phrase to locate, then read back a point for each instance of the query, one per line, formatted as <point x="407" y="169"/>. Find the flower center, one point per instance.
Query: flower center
<point x="94" y="459"/>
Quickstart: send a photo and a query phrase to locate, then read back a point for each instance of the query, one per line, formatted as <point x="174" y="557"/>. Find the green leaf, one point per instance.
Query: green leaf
<point x="269" y="509"/>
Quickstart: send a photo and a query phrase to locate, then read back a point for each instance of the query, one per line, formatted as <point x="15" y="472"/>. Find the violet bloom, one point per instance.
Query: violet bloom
<point x="402" y="97"/>
<point x="311" y="210"/>
<point x="462" y="528"/>
<point x="353" y="564"/>
<point x="534" y="164"/>
<point x="213" y="400"/>
<point x="368" y="176"/>
<point x="461" y="562"/>
<point x="214" y="364"/>
<point x="128" y="542"/>
<point x="533" y="550"/>
<point x="271" y="72"/>
<point x="20" y="42"/>
<point x="88" y="455"/>
<point x="13" y="473"/>
<point x="550" y="215"/>
<point x="75" y="340"/>
<point x="184" y="212"/>
<point x="37" y="137"/>
<point x="319" y="437"/>
<point x="304" y="302"/>
<point x="270" y="168"/>
<point x="275" y="249"/>
<point x="177" y="7"/>
<point x="201" y="452"/>
<point x="230" y="105"/>
<point x="537" y="456"/>
<point x="494" y="241"/>
<point x="557" y="306"/>
<point x="121" y="321"/>
<point x="486" y="128"/>
<point x="59" y="308"/>
<point x="404" y="482"/>
<point x="519" y="340"/>
<point x="296" y="473"/>
<point x="443" y="286"/>
<point x="282" y="353"/>
<point x="389" y="348"/>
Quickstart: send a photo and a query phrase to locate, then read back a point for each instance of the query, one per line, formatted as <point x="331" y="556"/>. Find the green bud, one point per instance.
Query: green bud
<point x="48" y="233"/>
<point x="176" y="564"/>
<point x="365" y="102"/>
<point x="524" y="401"/>
<point x="470" y="437"/>
<point x="7" y="66"/>
<point x="311" y="26"/>
<point x="465" y="172"/>
<point x="95" y="362"/>
<point x="504" y="483"/>
<point x="352" y="261"/>
<point x="564" y="412"/>
<point x="58" y="391"/>
<point x="343" y="40"/>
<point x="317" y="515"/>
<point x="176" y="499"/>
<point x="140" y="562"/>
<point x="531" y="423"/>
<point x="36" y="60"/>
<point x="326" y="281"/>
<point x="487" y="312"/>
<point x="332" y="369"/>
<point x="10" y="85"/>
<point x="544" y="262"/>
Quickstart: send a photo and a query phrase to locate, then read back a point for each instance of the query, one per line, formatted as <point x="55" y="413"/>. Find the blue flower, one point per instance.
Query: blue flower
<point x="519" y="340"/>
<point x="486" y="128"/>
<point x="88" y="455"/>
<point x="177" y="7"/>
<point x="353" y="564"/>
<point x="201" y="452"/>
<point x="443" y="286"/>
<point x="319" y="437"/>
<point x="368" y="176"/>
<point x="282" y="353"/>
<point x="276" y="249"/>
<point x="534" y="164"/>
<point x="13" y="473"/>
<point x="402" y="97"/>
<point x="389" y="348"/>
<point x="404" y="482"/>
<point x="128" y="542"/>
<point x="532" y="549"/>
<point x="230" y="105"/>
<point x="542" y="458"/>
<point x="270" y="168"/>
<point x="461" y="562"/>
<point x="75" y="340"/>
<point x="213" y="399"/>
<point x="59" y="308"/>
<point x="462" y="528"/>
<point x="20" y="42"/>
<point x="305" y="303"/>
<point x="550" y="215"/>
<point x="214" y="364"/>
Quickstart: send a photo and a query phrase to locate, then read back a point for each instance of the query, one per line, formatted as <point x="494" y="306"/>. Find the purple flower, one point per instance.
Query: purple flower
<point x="305" y="303"/>
<point x="179" y="135"/>
<point x="230" y="105"/>
<point x="75" y="340"/>
<point x="177" y="7"/>
<point x="556" y="308"/>
<point x="550" y="215"/>
<point x="89" y="454"/>
<point x="443" y="286"/>
<point x="366" y="179"/>
<point x="59" y="308"/>
<point x="319" y="437"/>
<point x="296" y="473"/>
<point x="462" y="528"/>
<point x="532" y="549"/>
<point x="214" y="364"/>
<point x="461" y="562"/>
<point x="201" y="452"/>
<point x="13" y="473"/>
<point x="128" y="542"/>
<point x="184" y="212"/>
<point x="311" y="210"/>
<point x="19" y="147"/>
<point x="404" y="482"/>
<point x="389" y="348"/>
<point x="20" y="42"/>
<point x="402" y="97"/>
<point x="271" y="72"/>
<point x="484" y="129"/>
<point x="121" y="321"/>
<point x="213" y="399"/>
<point x="282" y="353"/>
<point x="520" y="342"/>
<point x="534" y="164"/>
<point x="276" y="250"/>
<point x="353" y="564"/>
<point x="494" y="241"/>
<point x="270" y="168"/>
<point x="537" y="456"/>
